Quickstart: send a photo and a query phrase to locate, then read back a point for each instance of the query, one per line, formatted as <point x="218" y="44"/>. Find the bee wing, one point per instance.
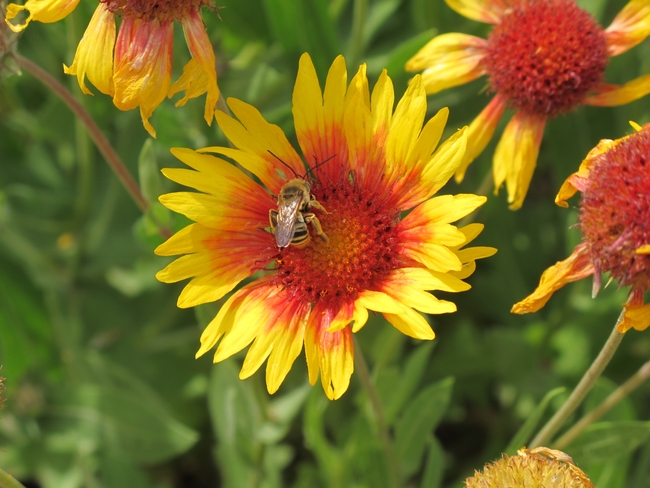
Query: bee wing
<point x="286" y="221"/>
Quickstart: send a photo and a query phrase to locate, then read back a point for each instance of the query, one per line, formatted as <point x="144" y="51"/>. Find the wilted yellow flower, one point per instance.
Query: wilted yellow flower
<point x="538" y="468"/>
<point x="134" y="65"/>
<point x="614" y="180"/>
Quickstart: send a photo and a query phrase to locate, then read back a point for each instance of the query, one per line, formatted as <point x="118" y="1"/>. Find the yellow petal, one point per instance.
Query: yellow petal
<point x="480" y="133"/>
<point x="629" y="28"/>
<point x="263" y="149"/>
<point x="259" y="308"/>
<point x="41" y="10"/>
<point x="613" y="95"/>
<point x="449" y="60"/>
<point x="406" y="124"/>
<point x="515" y="157"/>
<point x="574" y="268"/>
<point x="412" y="324"/>
<point x="143" y="66"/>
<point x="489" y="11"/>
<point x="94" y="56"/>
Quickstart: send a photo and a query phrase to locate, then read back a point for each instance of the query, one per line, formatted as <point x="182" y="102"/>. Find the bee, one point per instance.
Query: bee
<point x="289" y="221"/>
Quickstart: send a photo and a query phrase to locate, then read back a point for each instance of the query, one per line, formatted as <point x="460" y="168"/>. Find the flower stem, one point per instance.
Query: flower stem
<point x="363" y="373"/>
<point x="483" y="189"/>
<point x="8" y="481"/>
<point x="619" y="394"/>
<point x="581" y="390"/>
<point x="100" y="140"/>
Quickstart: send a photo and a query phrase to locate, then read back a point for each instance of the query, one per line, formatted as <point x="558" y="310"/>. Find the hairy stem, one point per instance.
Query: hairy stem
<point x="363" y="373"/>
<point x="8" y="481"/>
<point x="580" y="392"/>
<point x="619" y="394"/>
<point x="112" y="158"/>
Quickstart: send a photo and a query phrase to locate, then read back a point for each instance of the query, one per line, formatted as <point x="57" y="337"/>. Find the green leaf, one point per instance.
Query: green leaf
<point x="236" y="418"/>
<point x="144" y="430"/>
<point x="606" y="441"/>
<point x="526" y="430"/>
<point x="330" y="460"/>
<point x="434" y="467"/>
<point x="409" y="381"/>
<point x="416" y="425"/>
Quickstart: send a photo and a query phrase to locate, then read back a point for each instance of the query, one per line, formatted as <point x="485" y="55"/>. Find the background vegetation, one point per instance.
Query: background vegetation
<point x="102" y="386"/>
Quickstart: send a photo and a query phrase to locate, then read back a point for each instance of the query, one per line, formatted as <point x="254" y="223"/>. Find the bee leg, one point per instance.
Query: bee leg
<point x="273" y="219"/>
<point x="316" y="204"/>
<point x="311" y="218"/>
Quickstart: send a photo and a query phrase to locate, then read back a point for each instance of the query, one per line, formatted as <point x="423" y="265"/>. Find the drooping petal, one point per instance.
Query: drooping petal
<point x="262" y="148"/>
<point x="199" y="74"/>
<point x="515" y="157"/>
<point x="574" y="268"/>
<point x="94" y="56"/>
<point x="41" y="10"/>
<point x="636" y="314"/>
<point x="629" y="28"/>
<point x="614" y="95"/>
<point x="578" y="180"/>
<point x="449" y="60"/>
<point x="480" y="132"/>
<point x="645" y="249"/>
<point x="143" y="66"/>
<point x="489" y="11"/>
<point x="637" y="318"/>
<point x="329" y="352"/>
<point x="216" y="261"/>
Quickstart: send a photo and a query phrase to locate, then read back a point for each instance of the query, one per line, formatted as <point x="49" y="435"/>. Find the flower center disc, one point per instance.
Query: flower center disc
<point x="545" y="56"/>
<point x="615" y="211"/>
<point x="360" y="253"/>
<point x="162" y="10"/>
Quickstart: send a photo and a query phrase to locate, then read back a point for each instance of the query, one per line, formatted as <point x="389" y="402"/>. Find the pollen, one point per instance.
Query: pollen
<point x="545" y="56"/>
<point x="615" y="211"/>
<point x="162" y="10"/>
<point x="361" y="252"/>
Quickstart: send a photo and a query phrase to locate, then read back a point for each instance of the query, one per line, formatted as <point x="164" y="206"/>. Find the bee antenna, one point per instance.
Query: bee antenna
<point x="311" y="170"/>
<point x="292" y="170"/>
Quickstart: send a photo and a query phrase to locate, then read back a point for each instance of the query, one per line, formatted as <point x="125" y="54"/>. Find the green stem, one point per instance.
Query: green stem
<point x="359" y="17"/>
<point x="112" y="158"/>
<point x="8" y="481"/>
<point x="580" y="392"/>
<point x="363" y="373"/>
<point x="619" y="394"/>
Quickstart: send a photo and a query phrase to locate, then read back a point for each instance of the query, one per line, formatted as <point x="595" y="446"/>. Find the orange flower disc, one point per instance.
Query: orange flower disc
<point x="161" y="10"/>
<point x="361" y="252"/>
<point x="615" y="211"/>
<point x="545" y="56"/>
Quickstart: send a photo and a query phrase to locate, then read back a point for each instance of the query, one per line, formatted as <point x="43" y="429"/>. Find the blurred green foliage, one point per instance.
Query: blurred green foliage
<point x="103" y="389"/>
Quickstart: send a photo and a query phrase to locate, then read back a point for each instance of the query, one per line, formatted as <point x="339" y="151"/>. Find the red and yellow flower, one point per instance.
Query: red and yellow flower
<point x="614" y="180"/>
<point x="134" y="65"/>
<point x="377" y="164"/>
<point x="543" y="58"/>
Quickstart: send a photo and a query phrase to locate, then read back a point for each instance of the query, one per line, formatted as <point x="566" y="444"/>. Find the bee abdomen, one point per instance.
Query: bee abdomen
<point x="300" y="235"/>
